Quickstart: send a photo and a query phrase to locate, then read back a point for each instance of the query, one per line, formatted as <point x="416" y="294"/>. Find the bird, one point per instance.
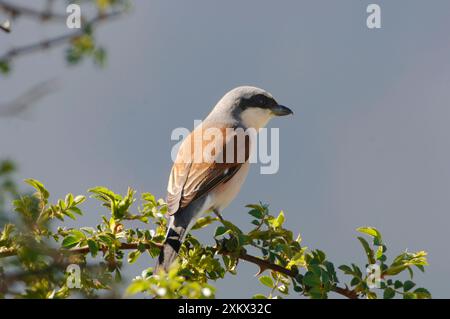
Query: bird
<point x="198" y="185"/>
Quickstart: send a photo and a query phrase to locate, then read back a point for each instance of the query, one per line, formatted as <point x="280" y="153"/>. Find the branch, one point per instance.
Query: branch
<point x="15" y="10"/>
<point x="264" y="265"/>
<point x="8" y="252"/>
<point x="261" y="263"/>
<point x="52" y="42"/>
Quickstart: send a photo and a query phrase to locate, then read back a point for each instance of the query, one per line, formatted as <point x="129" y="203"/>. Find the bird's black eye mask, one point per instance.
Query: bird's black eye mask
<point x="259" y="100"/>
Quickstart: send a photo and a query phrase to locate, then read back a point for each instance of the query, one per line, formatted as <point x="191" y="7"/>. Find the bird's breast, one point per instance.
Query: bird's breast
<point x="224" y="194"/>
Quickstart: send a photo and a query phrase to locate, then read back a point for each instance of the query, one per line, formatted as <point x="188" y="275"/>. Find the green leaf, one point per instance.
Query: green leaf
<point x="311" y="279"/>
<point x="357" y="271"/>
<point x="408" y="285"/>
<point x="231" y="227"/>
<point x="255" y="222"/>
<point x="256" y="213"/>
<point x="368" y="250"/>
<point x="243" y="239"/>
<point x="100" y="57"/>
<point x="259" y="296"/>
<point x="70" y="241"/>
<point x="379" y="252"/>
<point x="371" y="231"/>
<point x="267" y="281"/>
<point x="422" y="293"/>
<point x="317" y="293"/>
<point x="278" y="222"/>
<point x="5" y="67"/>
<point x="371" y="295"/>
<point x="7" y="231"/>
<point x="75" y="210"/>
<point x="79" y="199"/>
<point x="93" y="247"/>
<point x="392" y="271"/>
<point x="261" y="207"/>
<point x="133" y="256"/>
<point x="104" y="194"/>
<point x="117" y="276"/>
<point x="78" y="234"/>
<point x="41" y="191"/>
<point x="73" y="56"/>
<point x="69" y="200"/>
<point x="221" y="230"/>
<point x="409" y="295"/>
<point x="7" y="167"/>
<point x="203" y="222"/>
<point x="398" y="284"/>
<point x="346" y="269"/>
<point x="106" y="239"/>
<point x="355" y="281"/>
<point x="137" y="286"/>
<point x="389" y="293"/>
<point x="69" y="214"/>
<point x="420" y="267"/>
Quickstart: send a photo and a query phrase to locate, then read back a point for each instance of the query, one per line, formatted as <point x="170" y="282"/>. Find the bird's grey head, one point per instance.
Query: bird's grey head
<point x="249" y="106"/>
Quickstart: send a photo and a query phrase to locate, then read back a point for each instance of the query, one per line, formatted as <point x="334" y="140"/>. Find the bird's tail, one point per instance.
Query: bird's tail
<point x="174" y="239"/>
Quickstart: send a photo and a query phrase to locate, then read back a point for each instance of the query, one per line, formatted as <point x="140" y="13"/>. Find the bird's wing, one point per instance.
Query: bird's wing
<point x="191" y="179"/>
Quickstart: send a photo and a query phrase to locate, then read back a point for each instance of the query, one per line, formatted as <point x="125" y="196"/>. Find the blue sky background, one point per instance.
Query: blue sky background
<point x="368" y="145"/>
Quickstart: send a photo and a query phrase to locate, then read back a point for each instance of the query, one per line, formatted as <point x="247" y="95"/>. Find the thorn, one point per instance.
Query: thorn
<point x="261" y="270"/>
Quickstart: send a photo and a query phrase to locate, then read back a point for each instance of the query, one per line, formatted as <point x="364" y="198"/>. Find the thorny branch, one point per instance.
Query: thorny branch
<point x="261" y="263"/>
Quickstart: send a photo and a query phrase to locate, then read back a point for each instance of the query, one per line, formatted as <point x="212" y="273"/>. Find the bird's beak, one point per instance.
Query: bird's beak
<point x="281" y="110"/>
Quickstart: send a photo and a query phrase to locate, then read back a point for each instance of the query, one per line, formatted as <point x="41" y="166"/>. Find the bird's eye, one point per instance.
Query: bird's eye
<point x="261" y="100"/>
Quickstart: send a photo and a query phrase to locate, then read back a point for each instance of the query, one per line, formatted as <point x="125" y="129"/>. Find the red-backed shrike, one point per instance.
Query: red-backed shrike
<point x="198" y="186"/>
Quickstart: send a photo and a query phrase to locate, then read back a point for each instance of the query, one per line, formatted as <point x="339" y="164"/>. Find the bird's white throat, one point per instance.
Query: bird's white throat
<point x="256" y="117"/>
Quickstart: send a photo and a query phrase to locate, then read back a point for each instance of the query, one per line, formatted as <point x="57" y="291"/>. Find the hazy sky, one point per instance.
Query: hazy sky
<point x="368" y="145"/>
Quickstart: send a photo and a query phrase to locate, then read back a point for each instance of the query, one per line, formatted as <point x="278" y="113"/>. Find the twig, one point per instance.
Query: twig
<point x="52" y="42"/>
<point x="351" y="294"/>
<point x="49" y="6"/>
<point x="26" y="100"/>
<point x="123" y="246"/>
<point x="15" y="10"/>
<point x="8" y="252"/>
